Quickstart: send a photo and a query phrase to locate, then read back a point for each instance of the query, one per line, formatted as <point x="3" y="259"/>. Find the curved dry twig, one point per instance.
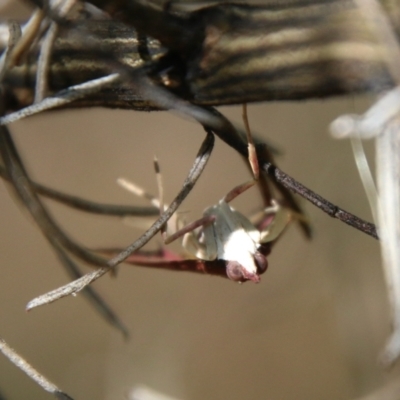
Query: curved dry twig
<point x="43" y="63"/>
<point x="61" y="98"/>
<point x="20" y="180"/>
<point x="86" y="205"/>
<point x="91" y="295"/>
<point x="294" y="186"/>
<point x="226" y="131"/>
<point x="21" y="183"/>
<point x="24" y="366"/>
<point x="79" y="284"/>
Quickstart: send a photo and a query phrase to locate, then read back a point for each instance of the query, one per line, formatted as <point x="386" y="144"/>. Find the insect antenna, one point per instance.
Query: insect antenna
<point x="160" y="189"/>
<point x="253" y="160"/>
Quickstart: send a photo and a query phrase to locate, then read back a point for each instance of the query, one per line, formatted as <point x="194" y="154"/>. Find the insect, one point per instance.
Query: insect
<point x="224" y="233"/>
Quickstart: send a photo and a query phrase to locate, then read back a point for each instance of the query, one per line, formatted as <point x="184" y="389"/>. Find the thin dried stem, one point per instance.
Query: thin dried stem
<point x="29" y="35"/>
<point x="280" y="177"/>
<point x="86" y="205"/>
<point x="14" y="34"/>
<point x="41" y="86"/>
<point x="288" y="198"/>
<point x="17" y="175"/>
<point x="91" y="295"/>
<point x="225" y="130"/>
<point x="24" y="366"/>
<point x="323" y="204"/>
<point x="61" y="98"/>
<point x="43" y="64"/>
<point x="79" y="284"/>
<point x="21" y="183"/>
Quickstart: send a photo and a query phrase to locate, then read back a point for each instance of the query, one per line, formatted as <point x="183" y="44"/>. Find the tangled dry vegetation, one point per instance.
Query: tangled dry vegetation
<point x="190" y="58"/>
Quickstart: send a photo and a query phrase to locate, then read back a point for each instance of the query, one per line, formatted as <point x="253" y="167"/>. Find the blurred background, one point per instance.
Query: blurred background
<point x="312" y="329"/>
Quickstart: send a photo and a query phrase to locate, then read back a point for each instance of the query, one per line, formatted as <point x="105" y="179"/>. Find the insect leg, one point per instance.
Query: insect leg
<point x="238" y="190"/>
<point x="281" y="218"/>
<point x="204" y="221"/>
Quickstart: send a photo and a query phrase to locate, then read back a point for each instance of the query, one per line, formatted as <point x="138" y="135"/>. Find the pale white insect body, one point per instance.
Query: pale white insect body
<point x="228" y="235"/>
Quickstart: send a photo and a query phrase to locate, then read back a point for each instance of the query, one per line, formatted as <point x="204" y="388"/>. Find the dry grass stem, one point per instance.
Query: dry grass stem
<point x="24" y="366"/>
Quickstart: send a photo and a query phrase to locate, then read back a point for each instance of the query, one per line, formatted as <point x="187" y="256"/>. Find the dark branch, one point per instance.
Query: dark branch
<point x="17" y="175"/>
<point x="87" y="205"/>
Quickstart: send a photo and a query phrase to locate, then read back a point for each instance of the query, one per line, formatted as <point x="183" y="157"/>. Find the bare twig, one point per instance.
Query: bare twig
<point x="289" y="199"/>
<point x="14" y="35"/>
<point x="91" y="295"/>
<point x="79" y="284"/>
<point x="290" y="183"/>
<point x="43" y="63"/>
<point x="317" y="200"/>
<point x="61" y="98"/>
<point x="29" y="33"/>
<point x="16" y="173"/>
<point x="21" y="184"/>
<point x="24" y="366"/>
<point x="86" y="205"/>
<point x="227" y="132"/>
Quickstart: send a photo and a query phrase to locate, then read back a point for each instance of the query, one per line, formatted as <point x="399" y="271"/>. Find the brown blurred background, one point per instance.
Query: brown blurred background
<point x="313" y="327"/>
